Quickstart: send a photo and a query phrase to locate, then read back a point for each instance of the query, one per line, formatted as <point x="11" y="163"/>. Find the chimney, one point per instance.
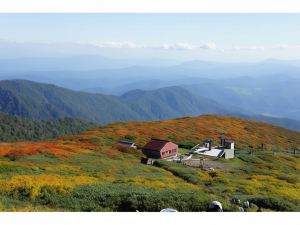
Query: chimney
<point x="222" y="140"/>
<point x="208" y="143"/>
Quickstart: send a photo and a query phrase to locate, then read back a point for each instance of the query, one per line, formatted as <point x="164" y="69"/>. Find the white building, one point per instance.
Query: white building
<point x="127" y="144"/>
<point x="225" y="150"/>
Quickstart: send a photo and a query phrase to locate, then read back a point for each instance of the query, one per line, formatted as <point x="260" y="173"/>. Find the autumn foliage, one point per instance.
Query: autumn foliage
<point x="81" y="172"/>
<point x="245" y="133"/>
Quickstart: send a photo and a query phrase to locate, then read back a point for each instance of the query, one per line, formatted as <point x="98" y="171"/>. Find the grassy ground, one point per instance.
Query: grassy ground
<point x="46" y="183"/>
<point x="183" y="151"/>
<point x="85" y="173"/>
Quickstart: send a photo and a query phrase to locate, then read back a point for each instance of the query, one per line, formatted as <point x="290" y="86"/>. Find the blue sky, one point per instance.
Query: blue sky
<point x="219" y="37"/>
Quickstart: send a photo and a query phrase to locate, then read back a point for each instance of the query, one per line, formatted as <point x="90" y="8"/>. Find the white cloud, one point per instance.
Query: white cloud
<point x="209" y="46"/>
<point x="263" y="48"/>
<point x="132" y="45"/>
<point x="165" y="46"/>
<point x="128" y="45"/>
<point x="175" y="46"/>
<point x="247" y="48"/>
<point x="284" y="47"/>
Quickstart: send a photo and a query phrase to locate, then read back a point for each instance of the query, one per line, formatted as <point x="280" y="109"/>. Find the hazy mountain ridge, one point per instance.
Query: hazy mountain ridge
<point x="45" y="101"/>
<point x="94" y="70"/>
<point x="269" y="87"/>
<point x="170" y="102"/>
<point x="281" y="122"/>
<point x="272" y="95"/>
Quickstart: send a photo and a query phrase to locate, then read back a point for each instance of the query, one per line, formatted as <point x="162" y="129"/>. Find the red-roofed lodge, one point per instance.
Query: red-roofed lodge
<point x="157" y="148"/>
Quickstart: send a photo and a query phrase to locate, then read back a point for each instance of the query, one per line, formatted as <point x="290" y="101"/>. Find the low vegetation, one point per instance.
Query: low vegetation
<point x="189" y="131"/>
<point x="87" y="172"/>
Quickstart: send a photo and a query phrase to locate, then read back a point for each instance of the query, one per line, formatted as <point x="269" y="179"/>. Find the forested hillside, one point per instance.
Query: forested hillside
<point x="170" y="102"/>
<point x="44" y="101"/>
<point x="13" y="128"/>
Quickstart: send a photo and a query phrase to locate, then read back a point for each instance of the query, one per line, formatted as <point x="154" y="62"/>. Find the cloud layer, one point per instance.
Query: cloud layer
<point x="181" y="46"/>
<point x="166" y="46"/>
<point x="177" y="46"/>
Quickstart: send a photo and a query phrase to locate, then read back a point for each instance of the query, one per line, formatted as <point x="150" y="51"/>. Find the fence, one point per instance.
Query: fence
<point x="249" y="152"/>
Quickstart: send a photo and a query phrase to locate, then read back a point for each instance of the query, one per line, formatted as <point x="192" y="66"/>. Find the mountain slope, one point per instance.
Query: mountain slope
<point x="169" y="102"/>
<point x="13" y="128"/>
<point x="87" y="172"/>
<point x="245" y="133"/>
<point x="276" y="95"/>
<point x="45" y="101"/>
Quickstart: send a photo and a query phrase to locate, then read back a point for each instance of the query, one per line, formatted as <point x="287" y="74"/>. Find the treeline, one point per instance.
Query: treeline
<point x="13" y="128"/>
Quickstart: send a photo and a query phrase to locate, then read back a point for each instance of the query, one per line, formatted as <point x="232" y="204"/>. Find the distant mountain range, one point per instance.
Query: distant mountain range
<point x="110" y="74"/>
<point x="200" y="68"/>
<point x="74" y="63"/>
<point x="170" y="102"/>
<point x="281" y="122"/>
<point x="46" y="101"/>
<point x="277" y="96"/>
<point x="269" y="87"/>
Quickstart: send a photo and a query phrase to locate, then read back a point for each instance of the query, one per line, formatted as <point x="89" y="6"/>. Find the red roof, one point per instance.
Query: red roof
<point x="156" y="144"/>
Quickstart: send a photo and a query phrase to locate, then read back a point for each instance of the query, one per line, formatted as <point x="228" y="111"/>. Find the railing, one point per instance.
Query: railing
<point x="250" y="151"/>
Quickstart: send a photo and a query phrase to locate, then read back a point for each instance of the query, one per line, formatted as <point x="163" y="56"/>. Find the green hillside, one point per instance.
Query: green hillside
<point x="44" y="101"/>
<point x="13" y="128"/>
<point x="170" y="102"/>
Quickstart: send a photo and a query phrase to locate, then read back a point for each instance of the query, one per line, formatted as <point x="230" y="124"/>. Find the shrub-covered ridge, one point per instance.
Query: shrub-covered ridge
<point x="86" y="172"/>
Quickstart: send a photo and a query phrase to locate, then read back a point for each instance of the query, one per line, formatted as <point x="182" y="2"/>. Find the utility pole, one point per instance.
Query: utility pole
<point x="262" y="146"/>
<point x="201" y="163"/>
